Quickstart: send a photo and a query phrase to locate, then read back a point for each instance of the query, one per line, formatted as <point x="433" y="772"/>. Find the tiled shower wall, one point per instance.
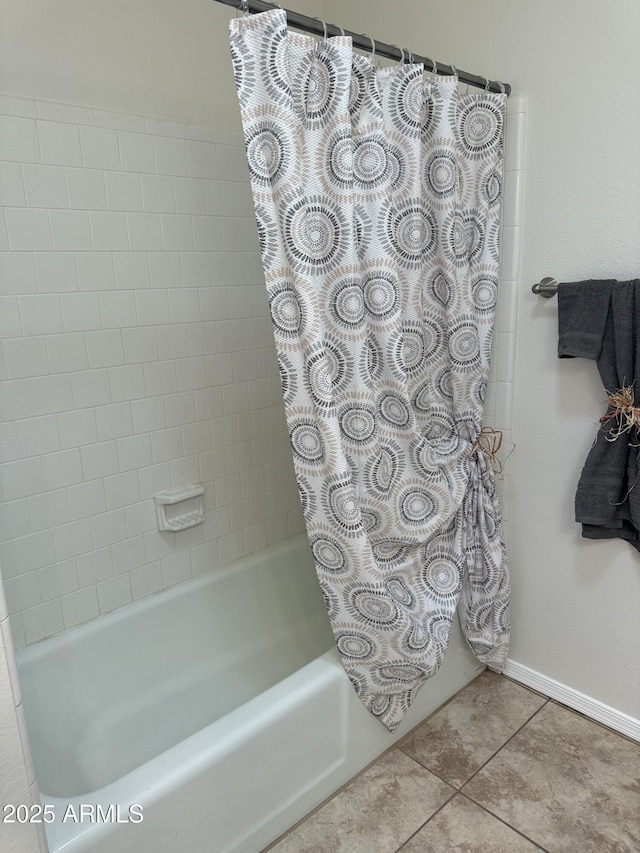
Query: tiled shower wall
<point x="137" y="355"/>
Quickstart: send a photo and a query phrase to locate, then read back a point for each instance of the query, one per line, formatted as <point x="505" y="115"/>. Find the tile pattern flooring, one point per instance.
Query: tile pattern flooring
<point x="499" y="769"/>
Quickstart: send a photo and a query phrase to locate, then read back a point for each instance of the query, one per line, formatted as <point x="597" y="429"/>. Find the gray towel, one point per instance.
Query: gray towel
<point x="600" y="320"/>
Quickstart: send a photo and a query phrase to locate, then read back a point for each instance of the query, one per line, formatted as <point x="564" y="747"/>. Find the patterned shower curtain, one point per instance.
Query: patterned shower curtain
<point x="377" y="197"/>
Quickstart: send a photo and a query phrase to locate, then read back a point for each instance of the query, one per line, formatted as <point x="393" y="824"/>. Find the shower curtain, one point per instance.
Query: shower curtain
<point x="377" y="197"/>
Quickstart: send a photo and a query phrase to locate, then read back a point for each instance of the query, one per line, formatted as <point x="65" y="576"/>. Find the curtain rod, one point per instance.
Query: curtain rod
<point x="364" y="42"/>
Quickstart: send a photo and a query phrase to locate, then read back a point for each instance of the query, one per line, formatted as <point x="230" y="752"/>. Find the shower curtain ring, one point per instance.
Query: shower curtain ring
<point x="454" y="70"/>
<point x="502" y="89"/>
<point x="486" y="80"/>
<point x="401" y="49"/>
<point x="244" y="7"/>
<point x="337" y="26"/>
<point x="324" y="27"/>
<point x="434" y="70"/>
<point x="373" y="45"/>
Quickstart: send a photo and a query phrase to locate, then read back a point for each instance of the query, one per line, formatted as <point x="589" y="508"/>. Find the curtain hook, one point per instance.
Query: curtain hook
<point x="244" y="7"/>
<point x="410" y="56"/>
<point x="502" y="89"/>
<point x="486" y="79"/>
<point x="337" y="26"/>
<point x="324" y="27"/>
<point x="434" y="70"/>
<point x="401" y="49"/>
<point x="373" y="45"/>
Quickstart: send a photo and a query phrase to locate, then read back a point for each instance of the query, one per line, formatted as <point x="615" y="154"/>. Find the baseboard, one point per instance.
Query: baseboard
<point x="592" y="708"/>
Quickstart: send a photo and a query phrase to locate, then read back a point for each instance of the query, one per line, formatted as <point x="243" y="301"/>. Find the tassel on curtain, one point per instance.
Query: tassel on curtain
<point x="377" y="198"/>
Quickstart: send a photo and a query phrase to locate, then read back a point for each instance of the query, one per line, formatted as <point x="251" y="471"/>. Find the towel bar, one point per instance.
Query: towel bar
<point x="548" y="287"/>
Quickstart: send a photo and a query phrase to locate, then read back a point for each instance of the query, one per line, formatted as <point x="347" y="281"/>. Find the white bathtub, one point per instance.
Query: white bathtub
<point x="219" y="706"/>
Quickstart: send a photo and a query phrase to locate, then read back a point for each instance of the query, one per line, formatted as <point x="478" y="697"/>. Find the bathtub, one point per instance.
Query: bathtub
<point x="208" y="718"/>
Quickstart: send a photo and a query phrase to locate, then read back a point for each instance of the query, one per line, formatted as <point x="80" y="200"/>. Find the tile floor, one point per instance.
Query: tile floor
<point x="499" y="769"/>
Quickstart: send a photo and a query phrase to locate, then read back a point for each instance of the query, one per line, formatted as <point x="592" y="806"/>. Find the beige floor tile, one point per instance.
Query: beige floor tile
<point x="376" y="813"/>
<point x="463" y="735"/>
<point x="567" y="783"/>
<point x="463" y="826"/>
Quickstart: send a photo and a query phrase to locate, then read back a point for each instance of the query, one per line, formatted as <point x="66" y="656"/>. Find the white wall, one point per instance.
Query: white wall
<point x="576" y="607"/>
<point x="157" y="58"/>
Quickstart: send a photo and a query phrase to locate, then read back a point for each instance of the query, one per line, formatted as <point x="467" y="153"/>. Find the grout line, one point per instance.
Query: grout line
<point x="497" y="817"/>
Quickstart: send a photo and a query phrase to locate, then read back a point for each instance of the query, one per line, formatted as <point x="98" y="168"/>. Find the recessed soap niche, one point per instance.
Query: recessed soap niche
<point x="178" y="509"/>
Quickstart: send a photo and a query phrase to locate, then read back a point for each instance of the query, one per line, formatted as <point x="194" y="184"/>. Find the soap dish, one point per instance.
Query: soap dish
<point x="179" y="509"/>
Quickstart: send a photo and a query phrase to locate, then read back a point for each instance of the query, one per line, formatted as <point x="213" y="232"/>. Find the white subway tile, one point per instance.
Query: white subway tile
<point x="230" y="335"/>
<point x="11" y="105"/>
<point x="9" y="442"/>
<point x="109" y="231"/>
<point x="241" y="302"/>
<point x="176" y="568"/>
<point x="99" y="148"/>
<point x="80" y="312"/>
<point x="95" y="567"/>
<point x="243" y="200"/>
<point x="189" y="194"/>
<point x="131" y="270"/>
<point x="70" y="230"/>
<point x="86" y="189"/>
<point x="79" y="606"/>
<point x="190" y="373"/>
<point x="219" y="368"/>
<point x="90" y="388"/>
<point x="166" y="444"/>
<point x="184" y="471"/>
<point x="220" y="198"/>
<point x="95" y="270"/>
<point x="42" y="621"/>
<point x="140" y="345"/>
<point x="128" y="554"/>
<point x="216" y="523"/>
<point x="62" y="469"/>
<point x="77" y="428"/>
<point x="38" y="435"/>
<point x="173" y="341"/>
<point x="146" y="580"/>
<point x="177" y="232"/>
<point x="28" y="230"/>
<point x="213" y="465"/>
<point x="248" y="425"/>
<point x="108" y="528"/>
<point x="209" y="134"/>
<point x="118" y="310"/>
<point x="134" y="451"/>
<point x="45" y="186"/>
<point x="153" y="478"/>
<point x="122" y="490"/>
<point x="158" y="194"/>
<point x="4" y="234"/>
<point x="86" y="499"/>
<point x="58" y="580"/>
<point x="148" y="414"/>
<point x="201" y="160"/>
<point x="114" y="421"/>
<point x="59" y="143"/>
<point x="504" y="405"/>
<point x="250" y="268"/>
<point x="238" y="457"/>
<point x="22" y="591"/>
<point x="123" y="191"/>
<point x="19" y="139"/>
<point x="136" y="152"/>
<point x="165" y="269"/>
<point x="141" y="518"/>
<point x="196" y="437"/>
<point x="56" y="272"/>
<point x="114" y="593"/>
<point x="259" y="331"/>
<point x="10" y="326"/>
<point x="171" y="156"/>
<point x="152" y="307"/>
<point x="17" y="631"/>
<point x="71" y="540"/>
<point x="17" y="273"/>
<point x="105" y="348"/>
<point x="67" y="352"/>
<point x="51" y="394"/>
<point x="127" y="383"/>
<point x="230" y="547"/>
<point x="47" y="510"/>
<point x="204" y="558"/>
<point x="144" y="231"/>
<point x="163" y="127"/>
<point x="159" y="544"/>
<point x="196" y="269"/>
<point x="232" y="163"/>
<point x="184" y="306"/>
<point x="99" y="460"/>
<point x="25" y="357"/>
<point x="223" y="429"/>
<point x="52" y="111"/>
<point x="203" y="338"/>
<point x="160" y="378"/>
<point x="512" y="198"/>
<point x="245" y="365"/>
<point x="180" y="408"/>
<point x="505" y="361"/>
<point x="207" y="234"/>
<point x="119" y="121"/>
<point x="208" y="403"/>
<point x="254" y="537"/>
<point x="40" y="314"/>
<point x="260" y="393"/>
<point x="31" y="552"/>
<point x="213" y="303"/>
